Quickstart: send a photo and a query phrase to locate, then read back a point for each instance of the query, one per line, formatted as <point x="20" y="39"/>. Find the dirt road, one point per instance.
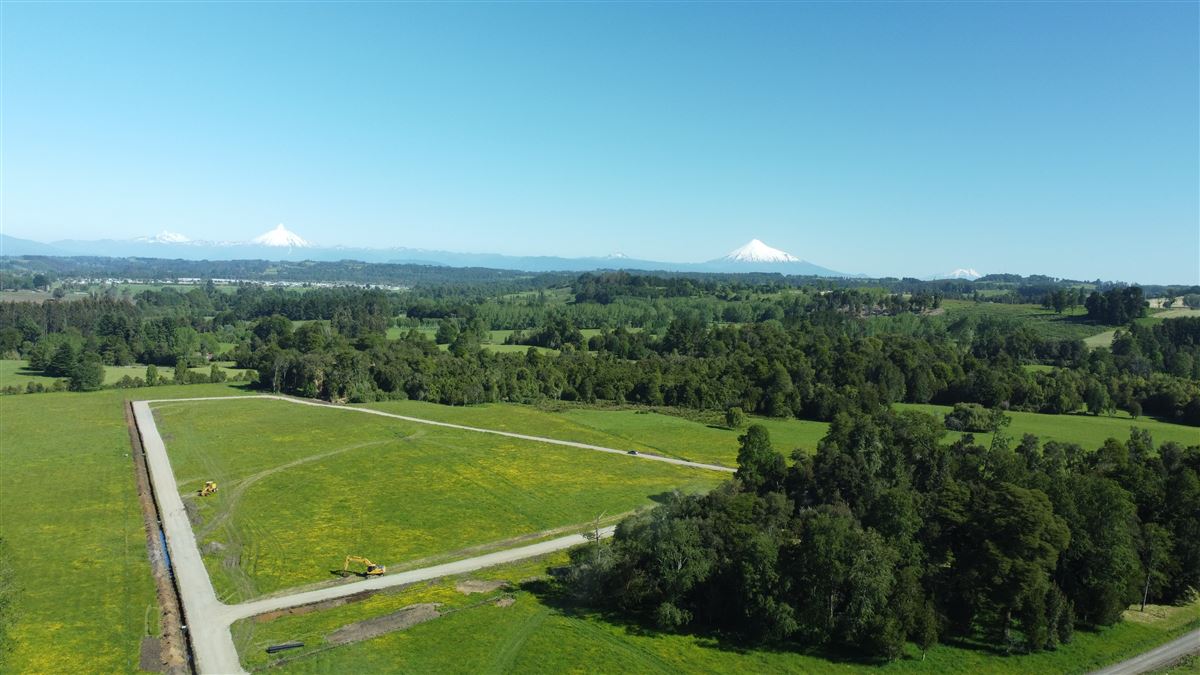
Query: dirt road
<point x="231" y="613"/>
<point x="208" y="619"/>
<point x="1156" y="658"/>
<point x="448" y="425"/>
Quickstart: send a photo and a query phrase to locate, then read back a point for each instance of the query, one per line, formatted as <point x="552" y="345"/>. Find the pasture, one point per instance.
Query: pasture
<point x="17" y="372"/>
<point x="1088" y="431"/>
<point x="706" y="440"/>
<point x="626" y="429"/>
<point x="302" y="487"/>
<point x="1072" y="324"/>
<point x="73" y="534"/>
<point x="541" y="631"/>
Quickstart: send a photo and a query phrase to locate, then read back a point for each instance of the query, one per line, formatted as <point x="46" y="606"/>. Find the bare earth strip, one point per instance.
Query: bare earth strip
<point x="208" y="619"/>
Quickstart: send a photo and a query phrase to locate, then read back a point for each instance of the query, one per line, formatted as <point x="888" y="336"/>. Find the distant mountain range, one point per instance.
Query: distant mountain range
<point x="283" y="244"/>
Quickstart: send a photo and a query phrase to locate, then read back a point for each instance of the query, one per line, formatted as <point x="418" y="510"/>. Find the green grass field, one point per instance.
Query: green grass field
<point x="643" y="431"/>
<point x="16" y="372"/>
<point x="1070" y="325"/>
<point x="70" y="518"/>
<point x="496" y="343"/>
<point x="712" y="443"/>
<point x="1105" y="339"/>
<point x="538" y="633"/>
<point x="302" y="487"/>
<point x="1086" y="430"/>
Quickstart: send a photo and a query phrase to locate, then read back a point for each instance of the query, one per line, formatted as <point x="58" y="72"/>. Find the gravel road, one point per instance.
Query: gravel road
<point x="1156" y="658"/>
<point x="208" y="619"/>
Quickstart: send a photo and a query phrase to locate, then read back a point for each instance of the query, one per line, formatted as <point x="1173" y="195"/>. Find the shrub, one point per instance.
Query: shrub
<point x="975" y="418"/>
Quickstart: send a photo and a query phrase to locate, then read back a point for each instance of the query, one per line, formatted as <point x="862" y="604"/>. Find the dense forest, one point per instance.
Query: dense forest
<point x="888" y="535"/>
<point x="710" y="344"/>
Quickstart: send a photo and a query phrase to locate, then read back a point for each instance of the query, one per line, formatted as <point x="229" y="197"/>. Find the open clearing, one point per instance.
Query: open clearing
<point x="17" y="372"/>
<point x="639" y="430"/>
<point x="303" y="486"/>
<point x="1088" y="431"/>
<point x="520" y="627"/>
<point x="70" y="518"/>
<point x="1072" y="324"/>
<point x="696" y="441"/>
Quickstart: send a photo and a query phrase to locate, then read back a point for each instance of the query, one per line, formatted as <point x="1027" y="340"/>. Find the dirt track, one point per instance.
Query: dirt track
<point x="1157" y="658"/>
<point x="208" y="619"/>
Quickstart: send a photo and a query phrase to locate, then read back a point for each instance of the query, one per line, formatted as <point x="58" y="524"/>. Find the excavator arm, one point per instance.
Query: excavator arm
<point x="372" y="568"/>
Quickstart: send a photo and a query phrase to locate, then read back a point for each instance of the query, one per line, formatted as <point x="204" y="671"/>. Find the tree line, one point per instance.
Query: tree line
<point x="888" y="535"/>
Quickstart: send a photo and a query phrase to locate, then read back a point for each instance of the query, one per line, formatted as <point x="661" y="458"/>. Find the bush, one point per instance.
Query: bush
<point x="975" y="418"/>
<point x="735" y="418"/>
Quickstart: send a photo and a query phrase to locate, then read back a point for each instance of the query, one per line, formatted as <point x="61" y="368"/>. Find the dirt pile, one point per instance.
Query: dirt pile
<point x="382" y="625"/>
<point x="469" y="586"/>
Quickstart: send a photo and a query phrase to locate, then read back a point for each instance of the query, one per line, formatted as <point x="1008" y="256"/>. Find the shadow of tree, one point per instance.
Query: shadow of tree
<point x="553" y="594"/>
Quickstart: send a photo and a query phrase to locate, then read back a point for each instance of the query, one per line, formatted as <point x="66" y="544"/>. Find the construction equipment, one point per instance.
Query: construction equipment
<point x="210" y="487"/>
<point x="373" y="570"/>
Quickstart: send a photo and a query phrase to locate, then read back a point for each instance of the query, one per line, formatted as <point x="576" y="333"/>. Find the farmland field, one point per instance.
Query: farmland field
<point x="302" y="487"/>
<point x="543" y="632"/>
<point x="639" y="430"/>
<point x="16" y="372"/>
<point x="711" y="443"/>
<point x="1087" y="430"/>
<point x="73" y="532"/>
<point x="1070" y="325"/>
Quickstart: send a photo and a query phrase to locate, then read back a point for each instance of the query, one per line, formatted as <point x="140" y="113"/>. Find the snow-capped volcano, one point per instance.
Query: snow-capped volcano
<point x="166" y="237"/>
<point x="964" y="273"/>
<point x="280" y="237"/>
<point x="758" y="252"/>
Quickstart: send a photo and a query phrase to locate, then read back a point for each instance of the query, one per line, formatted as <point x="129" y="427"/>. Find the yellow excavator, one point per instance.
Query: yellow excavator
<point x="373" y="570"/>
<point x="210" y="487"/>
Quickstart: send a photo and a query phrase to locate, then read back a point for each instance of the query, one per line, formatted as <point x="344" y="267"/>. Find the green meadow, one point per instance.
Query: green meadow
<point x="302" y="487"/>
<point x="541" y="632"/>
<point x="707" y="441"/>
<point x="17" y="372"/>
<point x="641" y="430"/>
<point x="1072" y="324"/>
<point x="1088" y="431"/>
<point x="73" y="533"/>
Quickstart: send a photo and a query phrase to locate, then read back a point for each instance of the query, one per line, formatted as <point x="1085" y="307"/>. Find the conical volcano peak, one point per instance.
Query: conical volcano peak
<point x="280" y="237"/>
<point x="757" y="252"/>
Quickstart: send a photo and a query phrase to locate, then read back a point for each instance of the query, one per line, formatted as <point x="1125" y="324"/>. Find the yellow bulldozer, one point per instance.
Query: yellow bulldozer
<point x="210" y="487"/>
<point x="373" y="570"/>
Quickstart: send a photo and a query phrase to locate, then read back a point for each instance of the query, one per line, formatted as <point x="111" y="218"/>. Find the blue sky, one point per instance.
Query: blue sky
<point x="878" y="138"/>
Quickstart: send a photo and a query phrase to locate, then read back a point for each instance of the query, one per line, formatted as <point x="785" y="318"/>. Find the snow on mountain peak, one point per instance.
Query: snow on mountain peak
<point x="166" y="237"/>
<point x="965" y="273"/>
<point x="757" y="252"/>
<point x="280" y="237"/>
